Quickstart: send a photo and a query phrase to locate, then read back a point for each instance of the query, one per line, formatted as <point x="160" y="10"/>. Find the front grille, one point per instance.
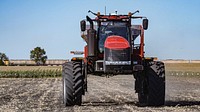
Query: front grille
<point x="117" y="54"/>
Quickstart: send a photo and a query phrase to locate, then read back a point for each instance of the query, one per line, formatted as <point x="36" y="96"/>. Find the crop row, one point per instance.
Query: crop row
<point x="31" y="74"/>
<point x="41" y="73"/>
<point x="183" y="73"/>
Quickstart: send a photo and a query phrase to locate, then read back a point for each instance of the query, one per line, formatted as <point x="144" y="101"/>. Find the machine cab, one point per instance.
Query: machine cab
<point x="112" y="28"/>
<point x="110" y="44"/>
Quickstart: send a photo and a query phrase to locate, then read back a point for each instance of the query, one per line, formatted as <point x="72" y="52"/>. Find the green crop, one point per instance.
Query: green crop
<point x="31" y="73"/>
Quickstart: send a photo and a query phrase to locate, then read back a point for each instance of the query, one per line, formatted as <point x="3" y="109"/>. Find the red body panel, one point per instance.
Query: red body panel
<point x="85" y="53"/>
<point x="116" y="42"/>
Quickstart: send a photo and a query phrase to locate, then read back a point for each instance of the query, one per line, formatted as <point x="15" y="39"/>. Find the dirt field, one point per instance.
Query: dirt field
<point x="105" y="94"/>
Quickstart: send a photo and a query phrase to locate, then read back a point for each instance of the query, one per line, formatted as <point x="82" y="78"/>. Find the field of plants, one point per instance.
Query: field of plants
<point x="30" y="71"/>
<point x="188" y="69"/>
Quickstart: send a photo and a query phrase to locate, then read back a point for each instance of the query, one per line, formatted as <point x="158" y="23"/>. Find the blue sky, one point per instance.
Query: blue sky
<point x="173" y="33"/>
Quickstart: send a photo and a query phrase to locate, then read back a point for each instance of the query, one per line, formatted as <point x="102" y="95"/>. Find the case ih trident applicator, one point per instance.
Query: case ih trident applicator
<point x="111" y="49"/>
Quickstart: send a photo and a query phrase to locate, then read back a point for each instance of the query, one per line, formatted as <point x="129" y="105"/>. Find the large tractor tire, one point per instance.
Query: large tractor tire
<point x="154" y="85"/>
<point x="72" y="83"/>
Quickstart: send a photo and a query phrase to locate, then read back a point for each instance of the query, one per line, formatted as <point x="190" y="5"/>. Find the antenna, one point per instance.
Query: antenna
<point x="105" y="10"/>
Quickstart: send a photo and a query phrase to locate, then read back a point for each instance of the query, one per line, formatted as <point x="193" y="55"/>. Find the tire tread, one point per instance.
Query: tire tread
<point x="73" y="83"/>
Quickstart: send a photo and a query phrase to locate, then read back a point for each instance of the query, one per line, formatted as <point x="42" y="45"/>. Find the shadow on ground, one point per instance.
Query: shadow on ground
<point x="167" y="103"/>
<point x="111" y="103"/>
<point x="182" y="103"/>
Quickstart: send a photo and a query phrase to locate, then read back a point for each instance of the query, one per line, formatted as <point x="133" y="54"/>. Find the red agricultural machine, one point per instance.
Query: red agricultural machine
<point x="111" y="49"/>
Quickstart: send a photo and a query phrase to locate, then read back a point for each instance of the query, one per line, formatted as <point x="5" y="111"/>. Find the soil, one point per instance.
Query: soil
<point x="104" y="94"/>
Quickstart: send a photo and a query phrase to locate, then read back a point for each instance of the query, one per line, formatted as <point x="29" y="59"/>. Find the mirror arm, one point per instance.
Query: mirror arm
<point x="139" y="17"/>
<point x="92" y="12"/>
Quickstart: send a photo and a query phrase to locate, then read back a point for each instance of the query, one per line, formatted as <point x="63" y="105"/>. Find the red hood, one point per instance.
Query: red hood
<point x="116" y="42"/>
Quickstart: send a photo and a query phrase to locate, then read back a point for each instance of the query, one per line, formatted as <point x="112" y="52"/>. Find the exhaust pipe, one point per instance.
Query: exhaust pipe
<point x="90" y="21"/>
<point x="92" y="41"/>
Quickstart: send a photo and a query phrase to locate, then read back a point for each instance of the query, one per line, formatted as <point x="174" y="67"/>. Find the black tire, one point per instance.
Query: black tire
<point x="72" y="83"/>
<point x="90" y="66"/>
<point x="142" y="94"/>
<point x="142" y="97"/>
<point x="153" y="85"/>
<point x="156" y="83"/>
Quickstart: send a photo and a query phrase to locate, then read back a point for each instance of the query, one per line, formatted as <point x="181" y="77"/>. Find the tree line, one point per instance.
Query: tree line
<point x="38" y="55"/>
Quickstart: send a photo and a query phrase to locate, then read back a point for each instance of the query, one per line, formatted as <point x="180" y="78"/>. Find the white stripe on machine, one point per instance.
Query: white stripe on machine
<point x="118" y="62"/>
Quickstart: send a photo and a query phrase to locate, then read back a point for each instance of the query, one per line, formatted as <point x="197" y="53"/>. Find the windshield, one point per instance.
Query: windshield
<point x="111" y="28"/>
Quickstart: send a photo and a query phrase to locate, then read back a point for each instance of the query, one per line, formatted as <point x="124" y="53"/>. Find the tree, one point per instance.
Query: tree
<point x="38" y="55"/>
<point x="3" y="58"/>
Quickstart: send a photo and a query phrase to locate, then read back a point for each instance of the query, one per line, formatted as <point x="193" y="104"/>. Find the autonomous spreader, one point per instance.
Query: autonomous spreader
<point x="114" y="46"/>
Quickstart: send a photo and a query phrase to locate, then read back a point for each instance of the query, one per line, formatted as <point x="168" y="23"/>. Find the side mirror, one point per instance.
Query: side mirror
<point x="145" y="24"/>
<point x="83" y="25"/>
